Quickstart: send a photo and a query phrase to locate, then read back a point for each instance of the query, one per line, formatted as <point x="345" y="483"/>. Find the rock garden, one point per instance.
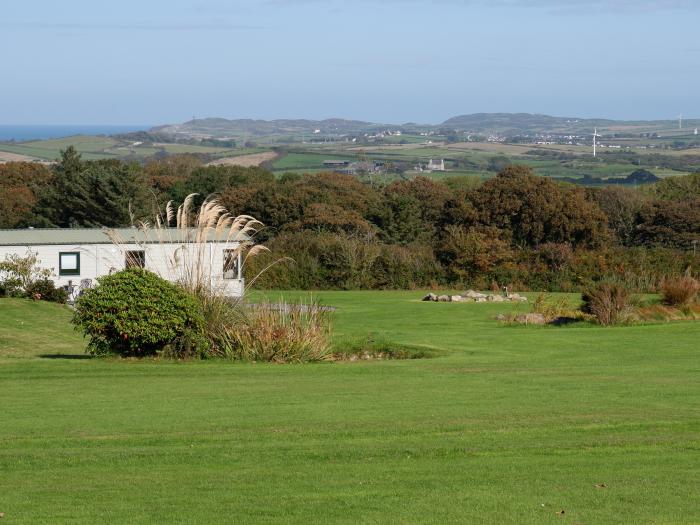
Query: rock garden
<point x="471" y="296"/>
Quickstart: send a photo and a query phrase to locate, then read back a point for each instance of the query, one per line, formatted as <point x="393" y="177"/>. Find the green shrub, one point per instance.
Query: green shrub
<point x="136" y="313"/>
<point x="608" y="302"/>
<point x="554" y="307"/>
<point x="18" y="273"/>
<point x="45" y="290"/>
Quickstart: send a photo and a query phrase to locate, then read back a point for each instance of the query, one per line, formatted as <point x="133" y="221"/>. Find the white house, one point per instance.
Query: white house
<point x="76" y="257"/>
<point x="436" y="165"/>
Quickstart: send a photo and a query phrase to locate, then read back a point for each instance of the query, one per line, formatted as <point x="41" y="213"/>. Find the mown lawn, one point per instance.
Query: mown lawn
<point x="508" y="425"/>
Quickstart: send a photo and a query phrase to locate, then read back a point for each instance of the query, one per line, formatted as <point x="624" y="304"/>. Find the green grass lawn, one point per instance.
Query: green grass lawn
<point x="508" y="425"/>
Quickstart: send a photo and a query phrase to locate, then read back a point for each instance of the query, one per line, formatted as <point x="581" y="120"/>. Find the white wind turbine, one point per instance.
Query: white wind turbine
<point x="595" y="135"/>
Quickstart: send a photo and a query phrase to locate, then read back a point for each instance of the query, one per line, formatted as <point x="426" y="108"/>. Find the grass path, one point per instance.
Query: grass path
<point x="509" y="425"/>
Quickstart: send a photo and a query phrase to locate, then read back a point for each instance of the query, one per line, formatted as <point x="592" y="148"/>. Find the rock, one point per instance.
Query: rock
<point x="481" y="299"/>
<point x="516" y="298"/>
<point x="456" y="298"/>
<point x="531" y="319"/>
<point x="443" y="298"/>
<point x="496" y="298"/>
<point x="475" y="295"/>
<point x="501" y="317"/>
<point x="430" y="297"/>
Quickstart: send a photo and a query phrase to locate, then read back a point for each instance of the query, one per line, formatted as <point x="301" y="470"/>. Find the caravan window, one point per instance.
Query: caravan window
<point x="230" y="264"/>
<point x="69" y="263"/>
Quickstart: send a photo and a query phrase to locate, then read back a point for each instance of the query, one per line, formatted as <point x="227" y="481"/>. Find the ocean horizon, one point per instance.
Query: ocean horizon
<point x="9" y="132"/>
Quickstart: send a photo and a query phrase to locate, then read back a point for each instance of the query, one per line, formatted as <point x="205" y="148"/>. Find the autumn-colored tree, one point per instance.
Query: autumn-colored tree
<point x="20" y="183"/>
<point x="671" y="223"/>
<point x="468" y="253"/>
<point x="537" y="210"/>
<point x="320" y="217"/>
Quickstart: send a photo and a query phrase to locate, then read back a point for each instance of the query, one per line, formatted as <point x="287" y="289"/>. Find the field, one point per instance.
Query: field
<point x="482" y="159"/>
<point x="101" y="147"/>
<point x="246" y="161"/>
<point x="575" y="424"/>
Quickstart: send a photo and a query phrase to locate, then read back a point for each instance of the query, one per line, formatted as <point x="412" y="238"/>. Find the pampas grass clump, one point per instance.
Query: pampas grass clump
<point x="288" y="333"/>
<point x="284" y="333"/>
<point x="680" y="291"/>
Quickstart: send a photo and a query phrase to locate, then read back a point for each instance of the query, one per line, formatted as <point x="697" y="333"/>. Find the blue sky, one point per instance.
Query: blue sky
<point x="157" y="61"/>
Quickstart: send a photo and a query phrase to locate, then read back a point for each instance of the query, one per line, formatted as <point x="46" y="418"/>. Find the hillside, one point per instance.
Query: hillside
<point x="220" y="127"/>
<point x="527" y="123"/>
<point x="503" y="124"/>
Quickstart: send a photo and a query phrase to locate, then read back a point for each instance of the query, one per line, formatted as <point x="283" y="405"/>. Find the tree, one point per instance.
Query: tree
<point x="622" y="207"/>
<point x="537" y="210"/>
<point x="320" y="217"/>
<point x="680" y="187"/>
<point x="669" y="223"/>
<point x="410" y="211"/>
<point x="20" y="184"/>
<point x="90" y="194"/>
<point x="469" y="253"/>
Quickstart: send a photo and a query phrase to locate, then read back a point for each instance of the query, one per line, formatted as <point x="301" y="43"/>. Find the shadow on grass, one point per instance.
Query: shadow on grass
<point x="65" y="356"/>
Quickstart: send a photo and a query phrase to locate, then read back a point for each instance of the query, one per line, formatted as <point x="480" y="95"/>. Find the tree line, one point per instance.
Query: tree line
<point x="515" y="229"/>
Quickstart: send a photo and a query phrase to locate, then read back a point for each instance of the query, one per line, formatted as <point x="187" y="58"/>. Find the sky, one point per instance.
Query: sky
<point x="393" y="61"/>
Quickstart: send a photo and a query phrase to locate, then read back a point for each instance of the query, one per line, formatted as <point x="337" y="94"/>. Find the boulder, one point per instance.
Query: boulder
<point x="531" y="319"/>
<point x="430" y="297"/>
<point x="481" y="299"/>
<point x="496" y="298"/>
<point x="456" y="298"/>
<point x="443" y="298"/>
<point x="501" y="317"/>
<point x="516" y="297"/>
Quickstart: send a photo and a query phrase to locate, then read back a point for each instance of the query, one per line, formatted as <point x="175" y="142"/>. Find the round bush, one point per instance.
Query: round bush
<point x="45" y="290"/>
<point x="137" y="313"/>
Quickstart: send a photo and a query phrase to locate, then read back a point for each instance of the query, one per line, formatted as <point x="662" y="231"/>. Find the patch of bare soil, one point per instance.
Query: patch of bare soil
<point x="6" y="156"/>
<point x="246" y="161"/>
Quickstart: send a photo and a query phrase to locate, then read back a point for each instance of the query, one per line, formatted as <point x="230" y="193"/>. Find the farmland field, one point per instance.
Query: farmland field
<point x="505" y="425"/>
<point x="99" y="147"/>
<point x="298" y="161"/>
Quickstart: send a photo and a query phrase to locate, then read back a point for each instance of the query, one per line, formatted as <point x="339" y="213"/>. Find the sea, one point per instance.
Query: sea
<point x="10" y="132"/>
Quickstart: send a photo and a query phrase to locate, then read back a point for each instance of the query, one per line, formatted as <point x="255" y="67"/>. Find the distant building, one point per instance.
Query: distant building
<point x="436" y="165"/>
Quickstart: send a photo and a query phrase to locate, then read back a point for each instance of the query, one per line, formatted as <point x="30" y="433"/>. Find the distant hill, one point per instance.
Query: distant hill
<point x="519" y="123"/>
<point x="527" y="123"/>
<point x="220" y="127"/>
<point x="503" y="124"/>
